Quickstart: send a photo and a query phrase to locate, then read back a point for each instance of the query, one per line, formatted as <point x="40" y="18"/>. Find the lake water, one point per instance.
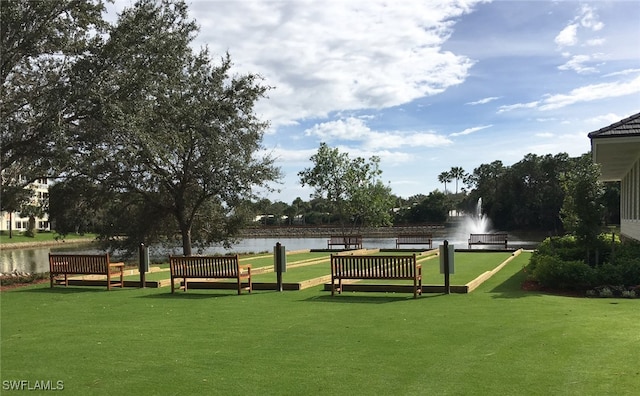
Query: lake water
<point x="35" y="260"/>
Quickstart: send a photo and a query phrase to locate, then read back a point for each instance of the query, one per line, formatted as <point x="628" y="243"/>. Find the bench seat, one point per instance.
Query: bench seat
<point x="84" y="264"/>
<point x="414" y="239"/>
<point x="375" y="267"/>
<point x="488" y="239"/>
<point x="214" y="267"/>
<point x="345" y="240"/>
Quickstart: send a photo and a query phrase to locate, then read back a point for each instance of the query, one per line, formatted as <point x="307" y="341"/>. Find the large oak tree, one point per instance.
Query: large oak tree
<point x="170" y="137"/>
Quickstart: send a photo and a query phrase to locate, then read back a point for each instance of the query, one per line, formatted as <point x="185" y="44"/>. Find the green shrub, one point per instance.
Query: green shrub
<point x="629" y="270"/>
<point x="608" y="274"/>
<point x="559" y="262"/>
<point x="553" y="272"/>
<point x="8" y="280"/>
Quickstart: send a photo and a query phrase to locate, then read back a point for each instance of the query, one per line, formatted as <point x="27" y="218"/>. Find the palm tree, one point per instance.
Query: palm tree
<point x="444" y="177"/>
<point x="457" y="173"/>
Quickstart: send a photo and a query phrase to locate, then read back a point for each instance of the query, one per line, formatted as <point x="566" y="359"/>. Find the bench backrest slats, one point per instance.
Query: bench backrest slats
<point x="414" y="238"/>
<point x="204" y="266"/>
<point x="348" y="239"/>
<point x="373" y="266"/>
<point x="487" y="238"/>
<point x="79" y="264"/>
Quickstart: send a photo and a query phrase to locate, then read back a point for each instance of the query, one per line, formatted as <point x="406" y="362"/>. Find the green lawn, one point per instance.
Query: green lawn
<point x="468" y="266"/>
<point x="18" y="237"/>
<point x="497" y="340"/>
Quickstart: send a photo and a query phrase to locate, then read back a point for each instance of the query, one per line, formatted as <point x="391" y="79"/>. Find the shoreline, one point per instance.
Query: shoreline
<point x="23" y="245"/>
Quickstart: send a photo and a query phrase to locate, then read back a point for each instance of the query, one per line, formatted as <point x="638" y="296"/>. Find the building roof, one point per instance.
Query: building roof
<point x="616" y="147"/>
<point x="630" y="126"/>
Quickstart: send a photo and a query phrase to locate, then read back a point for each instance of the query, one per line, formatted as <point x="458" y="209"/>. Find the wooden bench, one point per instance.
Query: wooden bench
<point x="375" y="267"/>
<point x="226" y="267"/>
<point x="414" y="239"/>
<point x="84" y="264"/>
<point x="488" y="239"/>
<point x="345" y="240"/>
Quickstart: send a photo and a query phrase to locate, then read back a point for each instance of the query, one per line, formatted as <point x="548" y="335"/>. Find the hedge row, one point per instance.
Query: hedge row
<point x="560" y="263"/>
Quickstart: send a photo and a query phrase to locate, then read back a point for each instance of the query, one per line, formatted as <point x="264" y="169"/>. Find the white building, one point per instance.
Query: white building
<point x="40" y="189"/>
<point x="617" y="149"/>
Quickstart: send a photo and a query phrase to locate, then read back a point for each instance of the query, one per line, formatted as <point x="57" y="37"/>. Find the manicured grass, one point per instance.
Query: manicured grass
<point x="468" y="266"/>
<point x="496" y="340"/>
<point x="18" y="237"/>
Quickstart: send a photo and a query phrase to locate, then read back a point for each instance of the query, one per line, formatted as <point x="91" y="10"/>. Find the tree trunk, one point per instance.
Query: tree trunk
<point x="186" y="240"/>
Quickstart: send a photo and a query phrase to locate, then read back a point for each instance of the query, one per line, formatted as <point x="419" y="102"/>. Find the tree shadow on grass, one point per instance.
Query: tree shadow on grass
<point x="187" y="296"/>
<point x="512" y="287"/>
<point x="362" y="298"/>
<point x="65" y="290"/>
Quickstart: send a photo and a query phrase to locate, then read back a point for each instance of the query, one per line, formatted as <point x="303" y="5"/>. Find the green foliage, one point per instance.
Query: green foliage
<point x="173" y="139"/>
<point x="41" y="42"/>
<point x="9" y="280"/>
<point x="433" y="209"/>
<point x="582" y="210"/>
<point x="560" y="262"/>
<point x="531" y="193"/>
<point x="556" y="273"/>
<point x="350" y="187"/>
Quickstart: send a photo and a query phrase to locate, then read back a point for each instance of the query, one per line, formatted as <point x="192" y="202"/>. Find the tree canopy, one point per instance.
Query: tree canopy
<point x="351" y="186"/>
<point x="169" y="137"/>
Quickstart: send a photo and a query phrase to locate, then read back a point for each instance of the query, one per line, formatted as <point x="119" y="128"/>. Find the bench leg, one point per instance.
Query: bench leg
<point x="66" y="280"/>
<point x="108" y="280"/>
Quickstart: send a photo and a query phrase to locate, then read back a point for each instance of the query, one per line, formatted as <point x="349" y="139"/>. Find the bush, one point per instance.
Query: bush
<point x="608" y="274"/>
<point x="559" y="262"/>
<point x="555" y="273"/>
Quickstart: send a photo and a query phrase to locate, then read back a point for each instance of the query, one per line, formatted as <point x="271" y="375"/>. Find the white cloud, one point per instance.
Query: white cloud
<point x="623" y="72"/>
<point x="484" y="100"/>
<point x="587" y="93"/>
<point x="590" y="93"/>
<point x="356" y="130"/>
<point x="589" y="19"/>
<point x="505" y="108"/>
<point x="596" y="42"/>
<point x="577" y="64"/>
<point x="544" y="135"/>
<point x="471" y="130"/>
<point x="574" y="144"/>
<point x="604" y="119"/>
<point x="341" y="55"/>
<point x="567" y="36"/>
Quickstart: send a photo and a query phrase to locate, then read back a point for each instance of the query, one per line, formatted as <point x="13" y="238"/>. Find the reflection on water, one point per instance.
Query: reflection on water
<point x="36" y="260"/>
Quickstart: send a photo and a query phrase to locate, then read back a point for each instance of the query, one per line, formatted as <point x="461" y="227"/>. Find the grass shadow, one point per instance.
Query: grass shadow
<point x="65" y="290"/>
<point x="187" y="296"/>
<point x="512" y="287"/>
<point x="361" y="298"/>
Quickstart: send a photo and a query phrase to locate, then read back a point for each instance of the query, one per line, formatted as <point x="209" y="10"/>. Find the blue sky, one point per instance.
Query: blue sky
<point x="429" y="85"/>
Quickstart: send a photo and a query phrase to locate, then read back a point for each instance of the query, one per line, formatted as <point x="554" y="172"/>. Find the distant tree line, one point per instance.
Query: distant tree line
<point x="536" y="193"/>
<point x="149" y="148"/>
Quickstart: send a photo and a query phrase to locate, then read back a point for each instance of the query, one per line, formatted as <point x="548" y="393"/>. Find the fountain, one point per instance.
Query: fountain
<point x="472" y="223"/>
<point x="478" y="222"/>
